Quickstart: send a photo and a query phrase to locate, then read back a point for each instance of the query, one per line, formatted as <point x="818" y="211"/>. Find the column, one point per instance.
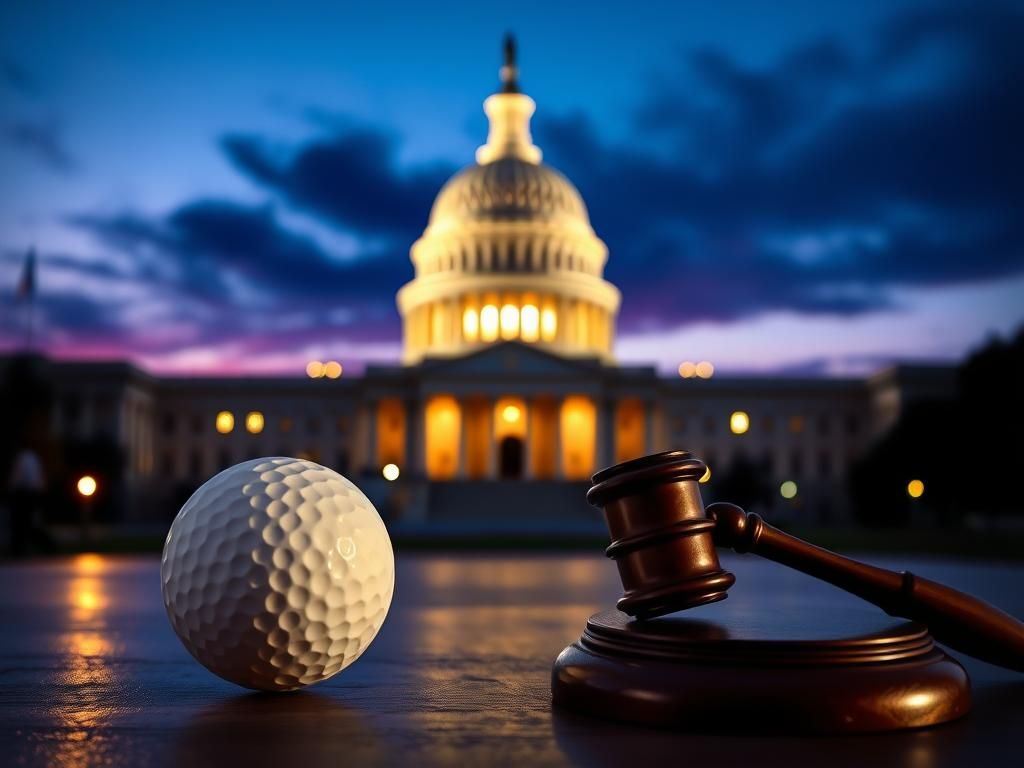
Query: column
<point x="559" y="469"/>
<point x="605" y="453"/>
<point x="371" y="436"/>
<point x="463" y="429"/>
<point x="412" y="436"/>
<point x="528" y="442"/>
<point x="649" y="441"/>
<point x="492" y="469"/>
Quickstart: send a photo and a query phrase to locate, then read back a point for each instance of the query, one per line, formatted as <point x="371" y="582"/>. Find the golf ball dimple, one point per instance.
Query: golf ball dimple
<point x="277" y="573"/>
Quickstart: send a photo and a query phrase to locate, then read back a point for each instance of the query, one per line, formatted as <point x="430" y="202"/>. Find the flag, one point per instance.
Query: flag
<point x="27" y="282"/>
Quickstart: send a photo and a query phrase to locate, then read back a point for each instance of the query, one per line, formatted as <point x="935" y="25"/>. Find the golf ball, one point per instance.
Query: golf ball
<point x="277" y="573"/>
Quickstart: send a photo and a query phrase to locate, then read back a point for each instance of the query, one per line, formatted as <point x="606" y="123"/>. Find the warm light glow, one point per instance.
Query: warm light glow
<point x="529" y="323"/>
<point x="509" y="321"/>
<point x="254" y="422"/>
<point x="87" y="485"/>
<point x="705" y="369"/>
<point x="443" y="418"/>
<point x="511" y="414"/>
<point x="706" y="476"/>
<point x="314" y="369"/>
<point x="788" y="490"/>
<point x="225" y="422"/>
<point x="915" y="489"/>
<point x="579" y="437"/>
<point x="470" y="324"/>
<point x="548" y="324"/>
<point x="390" y="472"/>
<point x="489" y="323"/>
<point x="89" y="562"/>
<point x="333" y="369"/>
<point x="739" y="422"/>
<point x="687" y="370"/>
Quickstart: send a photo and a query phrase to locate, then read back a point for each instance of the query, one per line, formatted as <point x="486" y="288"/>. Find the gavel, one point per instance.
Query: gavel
<point x="664" y="544"/>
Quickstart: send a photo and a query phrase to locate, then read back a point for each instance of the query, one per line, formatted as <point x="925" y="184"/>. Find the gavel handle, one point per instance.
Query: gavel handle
<point x="960" y="621"/>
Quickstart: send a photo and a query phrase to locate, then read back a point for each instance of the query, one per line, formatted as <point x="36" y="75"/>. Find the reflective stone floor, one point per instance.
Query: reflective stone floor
<point x="91" y="674"/>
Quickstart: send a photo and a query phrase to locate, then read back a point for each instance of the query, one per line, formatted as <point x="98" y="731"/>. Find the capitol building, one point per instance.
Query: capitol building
<point x="507" y="396"/>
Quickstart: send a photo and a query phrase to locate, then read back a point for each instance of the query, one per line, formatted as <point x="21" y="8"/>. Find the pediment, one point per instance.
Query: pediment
<point x="510" y="359"/>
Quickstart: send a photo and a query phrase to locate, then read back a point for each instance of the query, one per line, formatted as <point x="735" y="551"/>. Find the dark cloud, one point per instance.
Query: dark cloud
<point x="43" y="140"/>
<point x="351" y="178"/>
<point x="230" y="255"/>
<point x="817" y="185"/>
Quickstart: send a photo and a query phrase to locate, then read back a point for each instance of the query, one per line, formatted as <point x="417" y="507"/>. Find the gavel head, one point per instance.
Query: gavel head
<point x="662" y="541"/>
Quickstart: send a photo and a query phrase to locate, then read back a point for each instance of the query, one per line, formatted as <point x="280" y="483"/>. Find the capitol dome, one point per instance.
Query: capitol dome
<point x="508" y="253"/>
<point x="508" y="189"/>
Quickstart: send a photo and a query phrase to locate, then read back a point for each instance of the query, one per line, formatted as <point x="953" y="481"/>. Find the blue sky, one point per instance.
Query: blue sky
<point x="805" y="187"/>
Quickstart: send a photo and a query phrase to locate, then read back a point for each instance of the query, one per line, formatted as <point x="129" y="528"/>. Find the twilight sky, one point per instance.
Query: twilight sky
<point x="805" y="187"/>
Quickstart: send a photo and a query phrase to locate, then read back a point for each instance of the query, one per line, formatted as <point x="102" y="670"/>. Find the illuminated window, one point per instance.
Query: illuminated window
<point x="470" y="324"/>
<point x="333" y="369"/>
<point x="443" y="418"/>
<point x="529" y="322"/>
<point x="489" y="323"/>
<point x="254" y="422"/>
<point x="630" y="430"/>
<point x="739" y="422"/>
<point x="579" y="433"/>
<point x="390" y="431"/>
<point x="225" y="422"/>
<point x="548" y="324"/>
<point x="509" y="321"/>
<point x="509" y="418"/>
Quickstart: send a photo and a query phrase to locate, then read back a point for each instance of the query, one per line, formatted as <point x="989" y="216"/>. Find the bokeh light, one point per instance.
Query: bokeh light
<point x="86" y="485"/>
<point x="391" y="472"/>
<point x="788" y="490"/>
<point x="739" y="422"/>
<point x="225" y="422"/>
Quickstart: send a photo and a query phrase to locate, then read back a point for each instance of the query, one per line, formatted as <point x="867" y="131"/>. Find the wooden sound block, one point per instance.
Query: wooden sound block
<point x="755" y="671"/>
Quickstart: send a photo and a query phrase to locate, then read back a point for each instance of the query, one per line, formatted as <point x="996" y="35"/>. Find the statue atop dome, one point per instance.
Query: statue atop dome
<point x="509" y="71"/>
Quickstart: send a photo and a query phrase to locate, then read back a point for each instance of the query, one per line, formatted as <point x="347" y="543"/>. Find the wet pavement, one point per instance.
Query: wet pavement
<point x="92" y="674"/>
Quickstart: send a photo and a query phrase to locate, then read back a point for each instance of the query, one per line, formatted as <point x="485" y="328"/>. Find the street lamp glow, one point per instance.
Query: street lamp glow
<point x="739" y="422"/>
<point x="390" y="472"/>
<point x="788" y="490"/>
<point x="915" y="489"/>
<point x="86" y="486"/>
